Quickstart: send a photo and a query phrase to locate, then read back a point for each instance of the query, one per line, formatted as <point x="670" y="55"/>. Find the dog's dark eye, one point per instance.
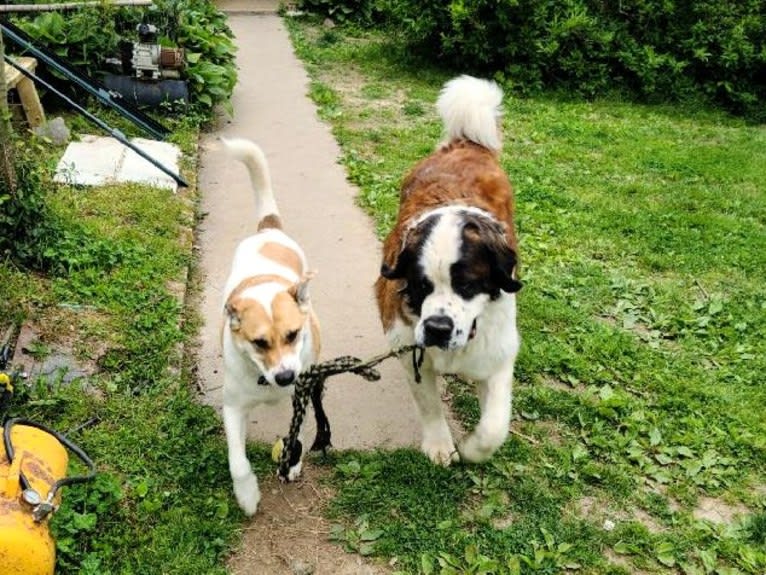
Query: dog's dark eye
<point x="468" y="288"/>
<point x="290" y="337"/>
<point x="261" y="343"/>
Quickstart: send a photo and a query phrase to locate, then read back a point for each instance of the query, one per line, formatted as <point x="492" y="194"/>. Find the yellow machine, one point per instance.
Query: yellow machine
<point x="33" y="465"/>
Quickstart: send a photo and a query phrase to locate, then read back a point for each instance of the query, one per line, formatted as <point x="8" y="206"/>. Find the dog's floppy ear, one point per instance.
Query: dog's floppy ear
<point x="398" y="269"/>
<point x="300" y="291"/>
<point x="504" y="267"/>
<point x="502" y="258"/>
<point x="503" y="263"/>
<point x="233" y="314"/>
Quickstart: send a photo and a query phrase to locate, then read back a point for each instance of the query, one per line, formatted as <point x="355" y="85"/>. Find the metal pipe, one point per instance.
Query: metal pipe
<point x="69" y="5"/>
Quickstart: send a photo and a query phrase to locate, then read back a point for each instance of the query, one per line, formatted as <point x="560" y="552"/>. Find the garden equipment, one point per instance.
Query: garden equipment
<point x="6" y="379"/>
<point x="114" y="132"/>
<point x="150" y="72"/>
<point x="33" y="466"/>
<point x="149" y="60"/>
<point x="89" y="85"/>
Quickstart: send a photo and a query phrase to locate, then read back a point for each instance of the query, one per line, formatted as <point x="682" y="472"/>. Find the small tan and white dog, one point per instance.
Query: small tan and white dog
<point x="270" y="333"/>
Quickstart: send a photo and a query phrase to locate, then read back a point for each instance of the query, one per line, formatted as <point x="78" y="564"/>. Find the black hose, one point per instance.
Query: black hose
<point x="63" y="440"/>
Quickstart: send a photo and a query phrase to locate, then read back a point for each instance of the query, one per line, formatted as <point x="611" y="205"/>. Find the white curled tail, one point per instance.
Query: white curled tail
<point x="250" y="154"/>
<point x="471" y="109"/>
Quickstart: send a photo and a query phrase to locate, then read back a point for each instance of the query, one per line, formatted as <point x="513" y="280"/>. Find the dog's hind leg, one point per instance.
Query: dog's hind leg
<point x="494" y="424"/>
<point x="245" y="483"/>
<point x="437" y="442"/>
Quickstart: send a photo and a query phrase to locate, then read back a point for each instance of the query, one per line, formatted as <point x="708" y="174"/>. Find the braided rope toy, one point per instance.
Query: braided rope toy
<point x="310" y="386"/>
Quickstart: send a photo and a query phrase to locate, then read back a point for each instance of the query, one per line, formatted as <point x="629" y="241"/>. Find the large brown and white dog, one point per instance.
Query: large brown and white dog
<point x="448" y="278"/>
<point x="270" y="333"/>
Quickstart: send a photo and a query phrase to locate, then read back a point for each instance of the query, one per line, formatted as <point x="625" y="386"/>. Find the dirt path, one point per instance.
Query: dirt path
<point x="317" y="205"/>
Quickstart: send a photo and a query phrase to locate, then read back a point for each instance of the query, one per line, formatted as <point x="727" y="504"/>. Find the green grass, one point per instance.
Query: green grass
<point x="162" y="500"/>
<point x="639" y="388"/>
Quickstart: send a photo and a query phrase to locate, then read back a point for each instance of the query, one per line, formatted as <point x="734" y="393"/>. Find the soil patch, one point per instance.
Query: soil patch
<point x="35" y="355"/>
<point x="717" y="511"/>
<point x="289" y="535"/>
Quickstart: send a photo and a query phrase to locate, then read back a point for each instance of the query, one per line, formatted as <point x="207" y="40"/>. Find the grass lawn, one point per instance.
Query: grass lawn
<point x="639" y="439"/>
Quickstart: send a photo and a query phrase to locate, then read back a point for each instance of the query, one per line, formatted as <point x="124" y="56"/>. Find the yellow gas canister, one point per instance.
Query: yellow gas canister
<point x="26" y="545"/>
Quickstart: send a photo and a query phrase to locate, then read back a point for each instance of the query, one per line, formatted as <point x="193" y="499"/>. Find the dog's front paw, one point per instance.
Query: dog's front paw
<point x="476" y="448"/>
<point x="440" y="450"/>
<point x="247" y="493"/>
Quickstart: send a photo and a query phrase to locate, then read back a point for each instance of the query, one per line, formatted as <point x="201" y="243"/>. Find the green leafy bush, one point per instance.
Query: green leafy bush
<point x="364" y="12"/>
<point x="656" y="49"/>
<point x="72" y="36"/>
<point x="33" y="236"/>
<point x="203" y="31"/>
<point x="88" y="36"/>
<point x="24" y="221"/>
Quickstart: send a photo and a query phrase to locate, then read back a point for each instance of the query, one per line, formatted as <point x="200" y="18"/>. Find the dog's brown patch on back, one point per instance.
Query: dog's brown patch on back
<point x="283" y="255"/>
<point x="270" y="221"/>
<point x="459" y="173"/>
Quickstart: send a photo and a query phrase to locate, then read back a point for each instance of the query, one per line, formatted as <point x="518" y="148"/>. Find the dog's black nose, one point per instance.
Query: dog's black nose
<point x="285" y="377"/>
<point x="438" y="330"/>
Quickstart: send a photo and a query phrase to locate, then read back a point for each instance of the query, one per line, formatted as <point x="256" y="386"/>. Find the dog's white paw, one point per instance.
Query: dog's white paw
<point x="440" y="450"/>
<point x="477" y="449"/>
<point x="247" y="493"/>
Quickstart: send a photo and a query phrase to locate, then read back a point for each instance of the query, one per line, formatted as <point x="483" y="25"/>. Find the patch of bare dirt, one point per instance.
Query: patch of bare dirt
<point x="289" y="536"/>
<point x="594" y="510"/>
<point x="622" y="561"/>
<point x="48" y="352"/>
<point x="718" y="511"/>
<point x="607" y="518"/>
<point x="557" y="384"/>
<point x="503" y="522"/>
<point x="551" y="431"/>
<point x="647" y="521"/>
<point x="387" y="104"/>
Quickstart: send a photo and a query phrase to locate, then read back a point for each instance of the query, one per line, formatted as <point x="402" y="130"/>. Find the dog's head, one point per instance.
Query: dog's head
<point x="270" y="325"/>
<point x="454" y="262"/>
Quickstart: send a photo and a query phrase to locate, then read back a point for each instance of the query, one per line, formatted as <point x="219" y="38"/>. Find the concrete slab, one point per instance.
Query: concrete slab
<point x="318" y="209"/>
<point x="58" y="363"/>
<point x="98" y="160"/>
<point x="134" y="168"/>
<point x="92" y="161"/>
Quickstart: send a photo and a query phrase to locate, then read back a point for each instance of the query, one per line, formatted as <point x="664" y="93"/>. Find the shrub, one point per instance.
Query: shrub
<point x="25" y="224"/>
<point x="653" y="48"/>
<point x="363" y="12"/>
